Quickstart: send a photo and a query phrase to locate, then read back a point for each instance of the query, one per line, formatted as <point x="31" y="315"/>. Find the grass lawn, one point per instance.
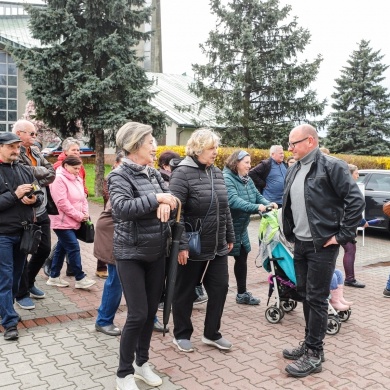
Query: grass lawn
<point x="90" y="181"/>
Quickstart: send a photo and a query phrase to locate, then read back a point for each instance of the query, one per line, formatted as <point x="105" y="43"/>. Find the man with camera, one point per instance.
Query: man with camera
<point x="44" y="174"/>
<point x="16" y="210"/>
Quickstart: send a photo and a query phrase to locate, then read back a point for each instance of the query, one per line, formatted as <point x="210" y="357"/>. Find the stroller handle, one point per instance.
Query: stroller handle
<point x="267" y="210"/>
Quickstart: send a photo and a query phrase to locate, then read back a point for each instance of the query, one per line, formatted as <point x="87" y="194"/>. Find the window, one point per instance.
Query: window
<point x="379" y="182"/>
<point x="8" y="92"/>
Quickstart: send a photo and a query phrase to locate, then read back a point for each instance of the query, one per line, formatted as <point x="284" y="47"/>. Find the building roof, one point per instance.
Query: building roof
<point x="14" y="28"/>
<point x="173" y="94"/>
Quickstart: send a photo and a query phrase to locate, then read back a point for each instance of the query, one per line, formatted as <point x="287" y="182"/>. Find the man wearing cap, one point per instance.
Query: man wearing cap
<point x="16" y="208"/>
<point x="44" y="173"/>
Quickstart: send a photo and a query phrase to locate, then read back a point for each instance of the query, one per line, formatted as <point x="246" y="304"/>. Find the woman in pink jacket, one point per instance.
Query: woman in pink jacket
<point x="68" y="194"/>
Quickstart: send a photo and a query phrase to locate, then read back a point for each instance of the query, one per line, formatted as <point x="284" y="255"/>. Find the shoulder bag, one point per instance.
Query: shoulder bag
<point x="193" y="236"/>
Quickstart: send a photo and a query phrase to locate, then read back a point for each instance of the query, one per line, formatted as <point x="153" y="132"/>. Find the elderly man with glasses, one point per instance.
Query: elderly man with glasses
<point x="269" y="175"/>
<point x="44" y="173"/>
<point x="322" y="208"/>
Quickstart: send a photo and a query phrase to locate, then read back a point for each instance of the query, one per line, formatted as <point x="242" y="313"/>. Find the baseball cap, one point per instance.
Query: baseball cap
<point x="9" y="138"/>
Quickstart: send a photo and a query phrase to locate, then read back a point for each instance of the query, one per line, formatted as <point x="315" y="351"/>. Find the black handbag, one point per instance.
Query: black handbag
<point x="31" y="238"/>
<point x="51" y="207"/>
<point x="86" y="232"/>
<point x="193" y="236"/>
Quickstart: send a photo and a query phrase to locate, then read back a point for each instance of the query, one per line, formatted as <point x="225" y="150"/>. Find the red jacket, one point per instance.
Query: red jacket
<point x="58" y="163"/>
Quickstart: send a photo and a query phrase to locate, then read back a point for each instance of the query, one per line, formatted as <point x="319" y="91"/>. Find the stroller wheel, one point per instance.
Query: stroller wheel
<point x="334" y="325"/>
<point x="288" y="305"/>
<point x="344" y="315"/>
<point x="274" y="314"/>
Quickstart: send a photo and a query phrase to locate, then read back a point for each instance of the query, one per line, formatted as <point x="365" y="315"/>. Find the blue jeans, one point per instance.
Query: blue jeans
<point x="337" y="279"/>
<point x="67" y="244"/>
<point x="11" y="267"/>
<point x="314" y="271"/>
<point x="111" y="298"/>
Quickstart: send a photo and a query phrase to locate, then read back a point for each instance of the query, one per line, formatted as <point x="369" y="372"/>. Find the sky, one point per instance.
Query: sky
<point x="336" y="26"/>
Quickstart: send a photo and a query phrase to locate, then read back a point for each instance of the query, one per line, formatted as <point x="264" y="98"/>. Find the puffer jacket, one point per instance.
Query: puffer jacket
<point x="334" y="203"/>
<point x="244" y="200"/>
<point x="191" y="183"/>
<point x="82" y="172"/>
<point x="138" y="233"/>
<point x="12" y="211"/>
<point x="68" y="194"/>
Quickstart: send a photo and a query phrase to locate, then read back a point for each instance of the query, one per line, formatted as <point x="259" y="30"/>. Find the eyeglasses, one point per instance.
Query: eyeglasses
<point x="242" y="154"/>
<point x="33" y="133"/>
<point x="292" y="144"/>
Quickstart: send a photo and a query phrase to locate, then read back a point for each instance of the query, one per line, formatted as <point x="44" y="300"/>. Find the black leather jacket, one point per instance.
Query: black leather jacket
<point x="334" y="203"/>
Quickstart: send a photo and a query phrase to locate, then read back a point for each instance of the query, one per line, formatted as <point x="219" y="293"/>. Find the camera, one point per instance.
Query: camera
<point x="36" y="189"/>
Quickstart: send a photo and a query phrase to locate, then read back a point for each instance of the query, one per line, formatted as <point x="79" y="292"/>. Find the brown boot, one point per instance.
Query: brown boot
<point x="335" y="300"/>
<point x="342" y="299"/>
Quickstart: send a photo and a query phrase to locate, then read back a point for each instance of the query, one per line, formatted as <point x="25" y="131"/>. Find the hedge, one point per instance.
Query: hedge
<point x="362" y="162"/>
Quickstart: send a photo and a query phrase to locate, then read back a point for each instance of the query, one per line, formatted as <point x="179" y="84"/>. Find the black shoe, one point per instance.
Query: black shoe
<point x="354" y="283"/>
<point x="297" y="352"/>
<point x="11" y="333"/>
<point x="308" y="363"/>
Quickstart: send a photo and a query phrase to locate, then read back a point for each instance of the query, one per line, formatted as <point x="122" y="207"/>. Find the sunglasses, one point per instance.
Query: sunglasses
<point x="33" y="133"/>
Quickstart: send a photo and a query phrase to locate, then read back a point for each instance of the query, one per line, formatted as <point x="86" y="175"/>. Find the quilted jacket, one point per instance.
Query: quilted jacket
<point x="191" y="183"/>
<point x="138" y="233"/>
<point x="244" y="200"/>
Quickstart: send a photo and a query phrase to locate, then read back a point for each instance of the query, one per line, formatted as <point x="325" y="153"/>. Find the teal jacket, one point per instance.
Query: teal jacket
<point x="244" y="200"/>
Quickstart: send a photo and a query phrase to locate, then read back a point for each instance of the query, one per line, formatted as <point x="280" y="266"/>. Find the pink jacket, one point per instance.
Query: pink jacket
<point x="68" y="194"/>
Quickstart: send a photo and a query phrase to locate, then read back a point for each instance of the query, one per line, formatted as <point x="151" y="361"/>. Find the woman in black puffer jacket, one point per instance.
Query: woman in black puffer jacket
<point x="201" y="188"/>
<point x="141" y="207"/>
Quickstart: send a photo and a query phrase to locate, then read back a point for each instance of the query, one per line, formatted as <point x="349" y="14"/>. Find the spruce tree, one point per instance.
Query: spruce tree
<point x="87" y="69"/>
<point x="253" y="77"/>
<point x="360" y="122"/>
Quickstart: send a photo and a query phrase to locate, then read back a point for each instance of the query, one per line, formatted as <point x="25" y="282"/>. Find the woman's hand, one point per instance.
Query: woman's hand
<point x="230" y="246"/>
<point x="163" y="212"/>
<point x="262" y="208"/>
<point x="168" y="199"/>
<point x="182" y="257"/>
<point x="274" y="205"/>
<point x="85" y="218"/>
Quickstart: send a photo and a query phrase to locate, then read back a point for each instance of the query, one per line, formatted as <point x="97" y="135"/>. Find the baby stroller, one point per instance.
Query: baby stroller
<point x="275" y="255"/>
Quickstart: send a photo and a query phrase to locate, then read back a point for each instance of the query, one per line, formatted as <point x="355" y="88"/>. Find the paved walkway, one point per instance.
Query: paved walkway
<point x="58" y="347"/>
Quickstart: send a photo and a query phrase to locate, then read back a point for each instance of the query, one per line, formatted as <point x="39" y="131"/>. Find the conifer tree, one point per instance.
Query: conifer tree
<point x="253" y="77"/>
<point x="360" y="122"/>
<point x="87" y="69"/>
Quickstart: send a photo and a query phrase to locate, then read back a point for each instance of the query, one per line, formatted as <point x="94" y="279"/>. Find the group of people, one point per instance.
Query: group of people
<point x="321" y="209"/>
<point x="21" y="204"/>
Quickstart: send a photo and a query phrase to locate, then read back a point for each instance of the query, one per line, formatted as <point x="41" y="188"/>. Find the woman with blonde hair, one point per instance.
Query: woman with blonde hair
<point x="141" y="208"/>
<point x="201" y="189"/>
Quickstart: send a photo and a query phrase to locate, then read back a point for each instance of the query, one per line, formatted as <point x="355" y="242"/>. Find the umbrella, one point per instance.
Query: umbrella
<point x="177" y="231"/>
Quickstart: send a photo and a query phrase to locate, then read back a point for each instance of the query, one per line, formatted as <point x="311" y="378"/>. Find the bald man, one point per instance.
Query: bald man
<point x="322" y="208"/>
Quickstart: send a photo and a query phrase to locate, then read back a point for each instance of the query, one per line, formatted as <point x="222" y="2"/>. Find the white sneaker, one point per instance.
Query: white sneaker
<point x="146" y="374"/>
<point x="84" y="283"/>
<point x="126" y="383"/>
<point x="57" y="282"/>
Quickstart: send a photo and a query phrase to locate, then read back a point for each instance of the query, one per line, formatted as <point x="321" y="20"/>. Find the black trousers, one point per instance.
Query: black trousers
<point x="37" y="260"/>
<point x="142" y="283"/>
<point x="241" y="270"/>
<point x="216" y="283"/>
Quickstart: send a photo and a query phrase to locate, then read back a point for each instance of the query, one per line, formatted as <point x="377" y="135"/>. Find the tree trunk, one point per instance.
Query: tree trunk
<point x="99" y="162"/>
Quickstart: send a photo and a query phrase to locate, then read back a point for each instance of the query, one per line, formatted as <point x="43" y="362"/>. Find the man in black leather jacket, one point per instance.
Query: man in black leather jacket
<point x="322" y="208"/>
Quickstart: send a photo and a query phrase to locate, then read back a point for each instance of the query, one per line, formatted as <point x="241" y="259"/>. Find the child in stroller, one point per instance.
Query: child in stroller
<point x="275" y="254"/>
